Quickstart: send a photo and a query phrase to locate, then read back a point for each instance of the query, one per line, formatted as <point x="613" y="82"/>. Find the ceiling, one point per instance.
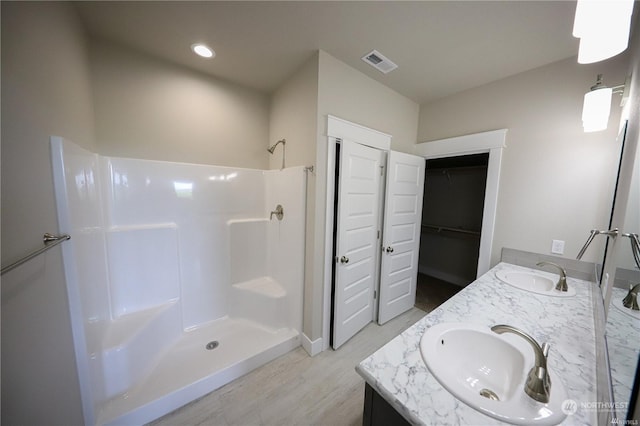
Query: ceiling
<point x="440" y="47"/>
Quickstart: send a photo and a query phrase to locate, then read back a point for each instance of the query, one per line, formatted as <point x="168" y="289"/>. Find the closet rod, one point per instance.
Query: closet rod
<point x="454" y="168"/>
<point x="446" y="228"/>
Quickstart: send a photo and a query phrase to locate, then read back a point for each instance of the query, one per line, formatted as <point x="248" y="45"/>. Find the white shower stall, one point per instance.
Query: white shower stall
<point x="179" y="278"/>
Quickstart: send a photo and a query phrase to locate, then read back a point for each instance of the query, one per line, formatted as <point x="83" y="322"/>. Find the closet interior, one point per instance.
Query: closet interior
<point x="452" y="210"/>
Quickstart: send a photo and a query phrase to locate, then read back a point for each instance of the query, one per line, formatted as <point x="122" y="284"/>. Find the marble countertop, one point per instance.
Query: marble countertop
<point x="398" y="373"/>
<point x="623" y="327"/>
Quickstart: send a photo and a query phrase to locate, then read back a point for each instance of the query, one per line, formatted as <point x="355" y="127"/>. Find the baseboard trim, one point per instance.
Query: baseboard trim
<point x="313" y="348"/>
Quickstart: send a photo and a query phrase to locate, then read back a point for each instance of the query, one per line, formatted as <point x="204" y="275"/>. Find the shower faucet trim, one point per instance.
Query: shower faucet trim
<point x="279" y="212"/>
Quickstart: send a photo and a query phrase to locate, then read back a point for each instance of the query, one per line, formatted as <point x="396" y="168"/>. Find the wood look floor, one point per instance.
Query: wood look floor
<point x="296" y="389"/>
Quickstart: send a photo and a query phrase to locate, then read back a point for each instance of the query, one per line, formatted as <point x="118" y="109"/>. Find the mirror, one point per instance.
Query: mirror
<point x="623" y="323"/>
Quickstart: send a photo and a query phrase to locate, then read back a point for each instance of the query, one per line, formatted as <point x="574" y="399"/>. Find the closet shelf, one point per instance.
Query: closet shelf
<point x="438" y="228"/>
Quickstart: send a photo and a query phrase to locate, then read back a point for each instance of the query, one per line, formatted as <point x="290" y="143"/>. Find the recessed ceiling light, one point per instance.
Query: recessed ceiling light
<point x="203" y="50"/>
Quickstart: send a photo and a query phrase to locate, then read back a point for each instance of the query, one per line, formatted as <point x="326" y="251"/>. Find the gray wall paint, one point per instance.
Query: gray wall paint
<point x="556" y="181"/>
<point x="149" y="108"/>
<point x="348" y="94"/>
<point x="323" y="86"/>
<point x="45" y="91"/>
<point x="294" y="116"/>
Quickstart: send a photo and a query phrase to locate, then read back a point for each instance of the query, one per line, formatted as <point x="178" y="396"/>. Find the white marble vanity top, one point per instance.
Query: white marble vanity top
<point x="398" y="373"/>
<point x="622" y="341"/>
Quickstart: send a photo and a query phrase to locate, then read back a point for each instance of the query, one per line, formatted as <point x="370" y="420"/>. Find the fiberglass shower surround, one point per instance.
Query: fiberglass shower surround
<point x="178" y="281"/>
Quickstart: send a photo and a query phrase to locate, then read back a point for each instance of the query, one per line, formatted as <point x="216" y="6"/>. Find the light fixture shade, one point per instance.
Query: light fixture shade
<point x="603" y="28"/>
<point x="586" y="17"/>
<point x="596" y="109"/>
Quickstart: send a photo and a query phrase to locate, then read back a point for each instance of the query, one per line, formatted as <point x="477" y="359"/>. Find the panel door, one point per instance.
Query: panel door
<point x="357" y="223"/>
<point x="401" y="234"/>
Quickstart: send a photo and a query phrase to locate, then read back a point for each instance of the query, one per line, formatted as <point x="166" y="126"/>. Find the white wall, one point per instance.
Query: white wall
<point x="45" y="91"/>
<point x="556" y="181"/>
<point x="151" y="109"/>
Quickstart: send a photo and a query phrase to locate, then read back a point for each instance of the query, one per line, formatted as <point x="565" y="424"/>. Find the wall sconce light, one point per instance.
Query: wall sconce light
<point x="603" y="28"/>
<point x="597" y="106"/>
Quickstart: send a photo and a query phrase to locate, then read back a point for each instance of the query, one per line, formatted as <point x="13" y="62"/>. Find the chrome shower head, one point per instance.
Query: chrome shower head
<point x="273" y="147"/>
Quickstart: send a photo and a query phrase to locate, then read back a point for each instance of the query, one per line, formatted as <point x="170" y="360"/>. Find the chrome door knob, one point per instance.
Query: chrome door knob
<point x="389" y="249"/>
<point x="344" y="259"/>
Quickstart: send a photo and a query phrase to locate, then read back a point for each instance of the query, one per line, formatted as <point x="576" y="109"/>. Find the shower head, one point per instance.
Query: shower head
<point x="273" y="147"/>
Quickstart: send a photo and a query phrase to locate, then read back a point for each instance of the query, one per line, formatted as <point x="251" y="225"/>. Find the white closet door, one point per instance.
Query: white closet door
<point x="356" y="245"/>
<point x="401" y="234"/>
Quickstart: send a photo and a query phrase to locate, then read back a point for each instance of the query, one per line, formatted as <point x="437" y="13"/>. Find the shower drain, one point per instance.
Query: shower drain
<point x="212" y="345"/>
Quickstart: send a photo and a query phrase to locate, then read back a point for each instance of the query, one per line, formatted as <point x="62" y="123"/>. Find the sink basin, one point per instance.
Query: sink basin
<point x="533" y="282"/>
<point x="487" y="371"/>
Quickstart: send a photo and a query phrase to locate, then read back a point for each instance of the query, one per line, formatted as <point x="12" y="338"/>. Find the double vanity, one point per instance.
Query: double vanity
<point x="467" y="362"/>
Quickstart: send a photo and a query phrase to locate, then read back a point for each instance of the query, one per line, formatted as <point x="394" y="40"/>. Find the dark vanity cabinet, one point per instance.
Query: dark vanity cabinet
<point x="378" y="412"/>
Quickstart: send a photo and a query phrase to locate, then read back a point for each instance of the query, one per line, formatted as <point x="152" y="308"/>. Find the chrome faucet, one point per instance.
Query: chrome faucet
<point x="631" y="300"/>
<point x="538" y="383"/>
<point x="562" y="281"/>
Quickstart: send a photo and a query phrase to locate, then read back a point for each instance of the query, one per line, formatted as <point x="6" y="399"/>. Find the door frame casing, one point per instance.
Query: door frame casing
<point x="339" y="129"/>
<point x="351" y="152"/>
<point x="492" y="142"/>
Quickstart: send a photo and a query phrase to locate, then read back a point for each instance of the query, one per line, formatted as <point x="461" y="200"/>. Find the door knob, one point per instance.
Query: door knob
<point x="389" y="249"/>
<point x="344" y="259"/>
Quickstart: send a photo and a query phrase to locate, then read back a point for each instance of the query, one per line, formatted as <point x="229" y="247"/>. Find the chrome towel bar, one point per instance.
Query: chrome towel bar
<point x="49" y="241"/>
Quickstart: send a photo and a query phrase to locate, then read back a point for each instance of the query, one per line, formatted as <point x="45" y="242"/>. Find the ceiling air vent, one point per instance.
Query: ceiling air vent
<point x="379" y="61"/>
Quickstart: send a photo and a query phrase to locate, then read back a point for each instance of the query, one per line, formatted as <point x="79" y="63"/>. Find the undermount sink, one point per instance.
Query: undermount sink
<point x="533" y="282"/>
<point x="487" y="371"/>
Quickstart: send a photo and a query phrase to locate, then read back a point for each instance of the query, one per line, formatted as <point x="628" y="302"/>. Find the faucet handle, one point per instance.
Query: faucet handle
<point x="538" y="385"/>
<point x="545" y="349"/>
<point x="545" y="353"/>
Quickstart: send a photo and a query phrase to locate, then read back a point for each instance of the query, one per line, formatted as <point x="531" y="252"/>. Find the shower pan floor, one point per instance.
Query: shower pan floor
<point x="189" y="370"/>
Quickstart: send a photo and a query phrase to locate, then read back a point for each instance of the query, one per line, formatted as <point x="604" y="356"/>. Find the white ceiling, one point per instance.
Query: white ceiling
<point x="440" y="47"/>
